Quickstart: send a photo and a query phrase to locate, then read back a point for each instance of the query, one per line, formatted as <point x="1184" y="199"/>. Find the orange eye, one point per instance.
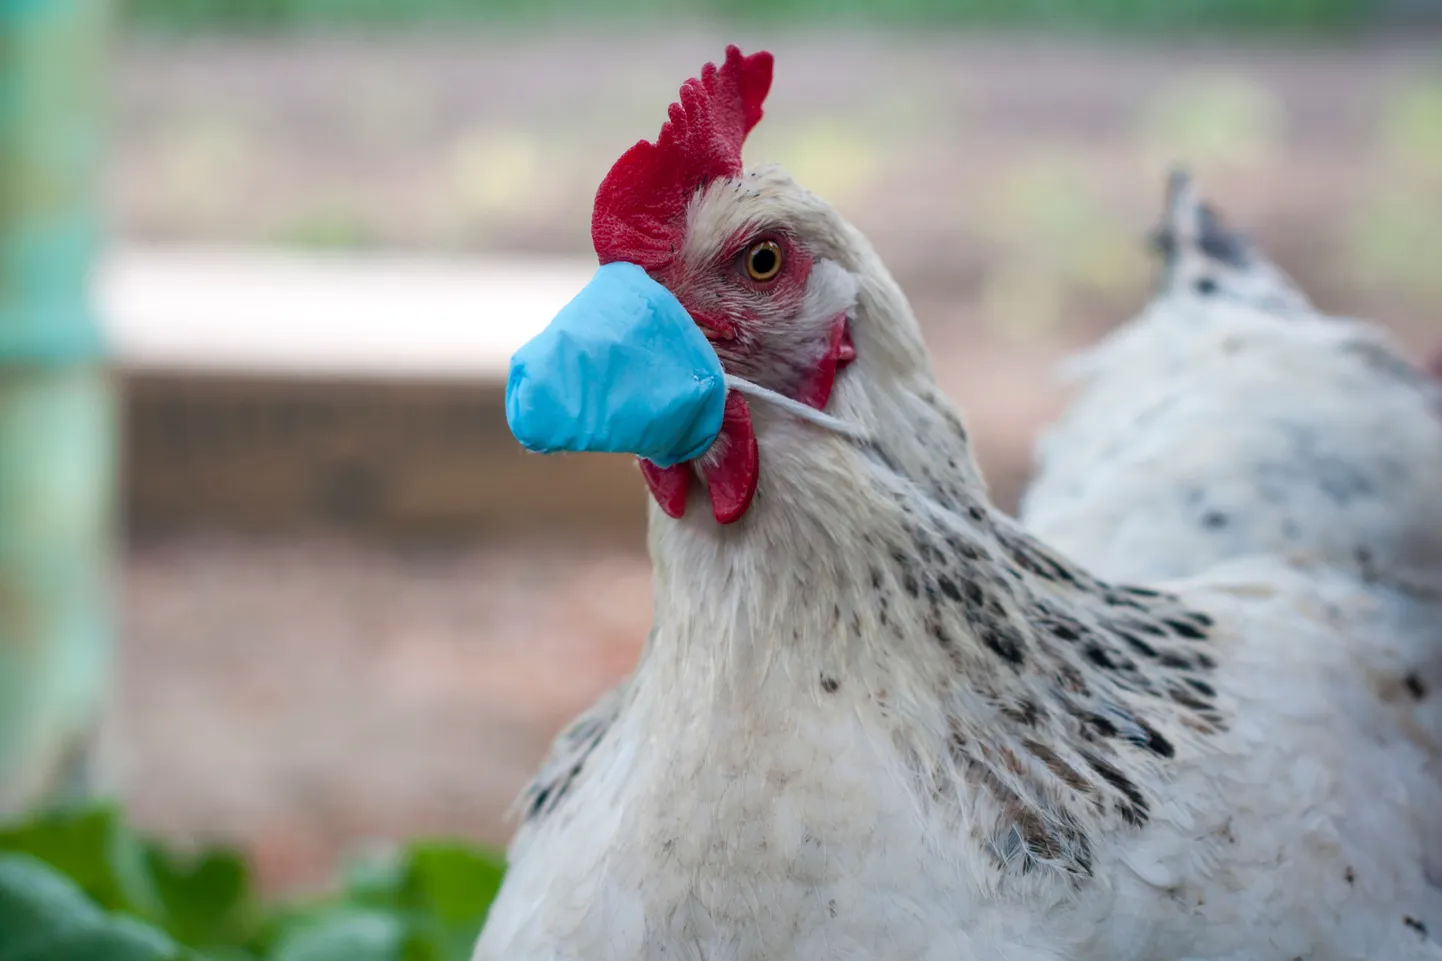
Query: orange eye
<point x="763" y="261"/>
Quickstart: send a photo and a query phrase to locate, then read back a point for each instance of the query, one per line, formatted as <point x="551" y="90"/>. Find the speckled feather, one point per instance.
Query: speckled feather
<point x="1231" y="418"/>
<point x="877" y="719"/>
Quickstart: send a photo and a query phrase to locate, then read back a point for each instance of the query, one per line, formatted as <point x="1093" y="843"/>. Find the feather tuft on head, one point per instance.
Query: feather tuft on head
<point x="641" y="204"/>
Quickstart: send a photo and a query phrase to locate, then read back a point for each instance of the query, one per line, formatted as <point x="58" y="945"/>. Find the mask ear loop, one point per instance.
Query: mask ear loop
<point x="795" y="407"/>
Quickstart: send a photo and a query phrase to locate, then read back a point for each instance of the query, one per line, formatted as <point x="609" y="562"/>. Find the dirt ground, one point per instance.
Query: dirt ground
<point x="300" y="694"/>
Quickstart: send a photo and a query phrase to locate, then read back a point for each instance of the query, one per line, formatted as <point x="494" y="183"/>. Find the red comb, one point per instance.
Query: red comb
<point x="640" y="204"/>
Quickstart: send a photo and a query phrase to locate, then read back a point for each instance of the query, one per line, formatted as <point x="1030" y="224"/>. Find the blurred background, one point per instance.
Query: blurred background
<point x="264" y="456"/>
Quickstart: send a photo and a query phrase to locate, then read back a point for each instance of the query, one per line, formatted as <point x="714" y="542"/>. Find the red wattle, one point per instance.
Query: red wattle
<point x="669" y="485"/>
<point x="732" y="477"/>
<point x="839" y="352"/>
<point x="731" y="480"/>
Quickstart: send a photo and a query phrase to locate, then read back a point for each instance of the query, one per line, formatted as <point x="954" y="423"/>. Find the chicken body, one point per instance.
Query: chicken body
<point x="877" y="719"/>
<point x="786" y="776"/>
<point x="1233" y="418"/>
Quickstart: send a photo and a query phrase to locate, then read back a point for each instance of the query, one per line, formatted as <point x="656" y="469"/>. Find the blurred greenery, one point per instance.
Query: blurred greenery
<point x="1059" y="234"/>
<point x="331" y="227"/>
<point x="1396" y="227"/>
<point x="47" y="917"/>
<point x="80" y="884"/>
<point x="1214" y="120"/>
<point x="1111" y="15"/>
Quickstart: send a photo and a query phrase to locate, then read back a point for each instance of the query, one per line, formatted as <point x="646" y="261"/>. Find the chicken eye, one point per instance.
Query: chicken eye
<point x="763" y="261"/>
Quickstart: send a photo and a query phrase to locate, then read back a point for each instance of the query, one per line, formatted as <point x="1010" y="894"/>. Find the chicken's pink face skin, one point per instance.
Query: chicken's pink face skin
<point x="760" y="328"/>
<point x="725" y="242"/>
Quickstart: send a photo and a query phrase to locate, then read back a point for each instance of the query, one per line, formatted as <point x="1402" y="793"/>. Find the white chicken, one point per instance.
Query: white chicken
<point x="876" y="719"/>
<point x="1233" y="418"/>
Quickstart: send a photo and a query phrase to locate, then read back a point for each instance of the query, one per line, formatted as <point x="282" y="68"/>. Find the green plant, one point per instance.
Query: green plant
<point x="79" y="884"/>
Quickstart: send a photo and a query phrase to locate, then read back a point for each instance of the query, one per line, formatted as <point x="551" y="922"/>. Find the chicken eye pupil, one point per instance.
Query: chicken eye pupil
<point x="764" y="261"/>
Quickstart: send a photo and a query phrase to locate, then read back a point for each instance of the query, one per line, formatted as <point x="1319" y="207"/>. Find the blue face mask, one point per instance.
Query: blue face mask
<point x="621" y="369"/>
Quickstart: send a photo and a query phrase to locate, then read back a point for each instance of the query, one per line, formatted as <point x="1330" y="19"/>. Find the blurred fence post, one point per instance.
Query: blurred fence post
<point x="57" y="406"/>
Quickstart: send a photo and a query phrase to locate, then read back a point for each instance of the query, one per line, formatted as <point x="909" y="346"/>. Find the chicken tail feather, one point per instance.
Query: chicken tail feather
<point x="1202" y="258"/>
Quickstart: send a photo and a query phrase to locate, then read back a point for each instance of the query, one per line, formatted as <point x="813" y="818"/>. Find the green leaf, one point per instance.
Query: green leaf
<point x="377" y="878"/>
<point x="358" y="934"/>
<point x="229" y="953"/>
<point x="206" y="898"/>
<point x="91" y="846"/>
<point x="47" y="917"/>
<point x="448" y="881"/>
<point x="444" y="889"/>
<point x="424" y="902"/>
<point x="279" y="922"/>
<point x="454" y="883"/>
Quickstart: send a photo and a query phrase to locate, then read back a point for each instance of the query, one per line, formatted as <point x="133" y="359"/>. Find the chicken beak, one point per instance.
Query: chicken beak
<point x="716" y="329"/>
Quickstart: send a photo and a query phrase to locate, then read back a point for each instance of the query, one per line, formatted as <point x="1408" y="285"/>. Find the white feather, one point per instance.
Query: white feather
<point x="878" y="720"/>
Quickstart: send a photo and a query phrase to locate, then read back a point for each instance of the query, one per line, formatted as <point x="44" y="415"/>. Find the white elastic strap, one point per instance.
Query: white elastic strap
<point x="809" y="414"/>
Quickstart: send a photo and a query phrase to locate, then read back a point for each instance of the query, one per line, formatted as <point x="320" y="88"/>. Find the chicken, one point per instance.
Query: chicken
<point x="877" y="719"/>
<point x="1232" y="418"/>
